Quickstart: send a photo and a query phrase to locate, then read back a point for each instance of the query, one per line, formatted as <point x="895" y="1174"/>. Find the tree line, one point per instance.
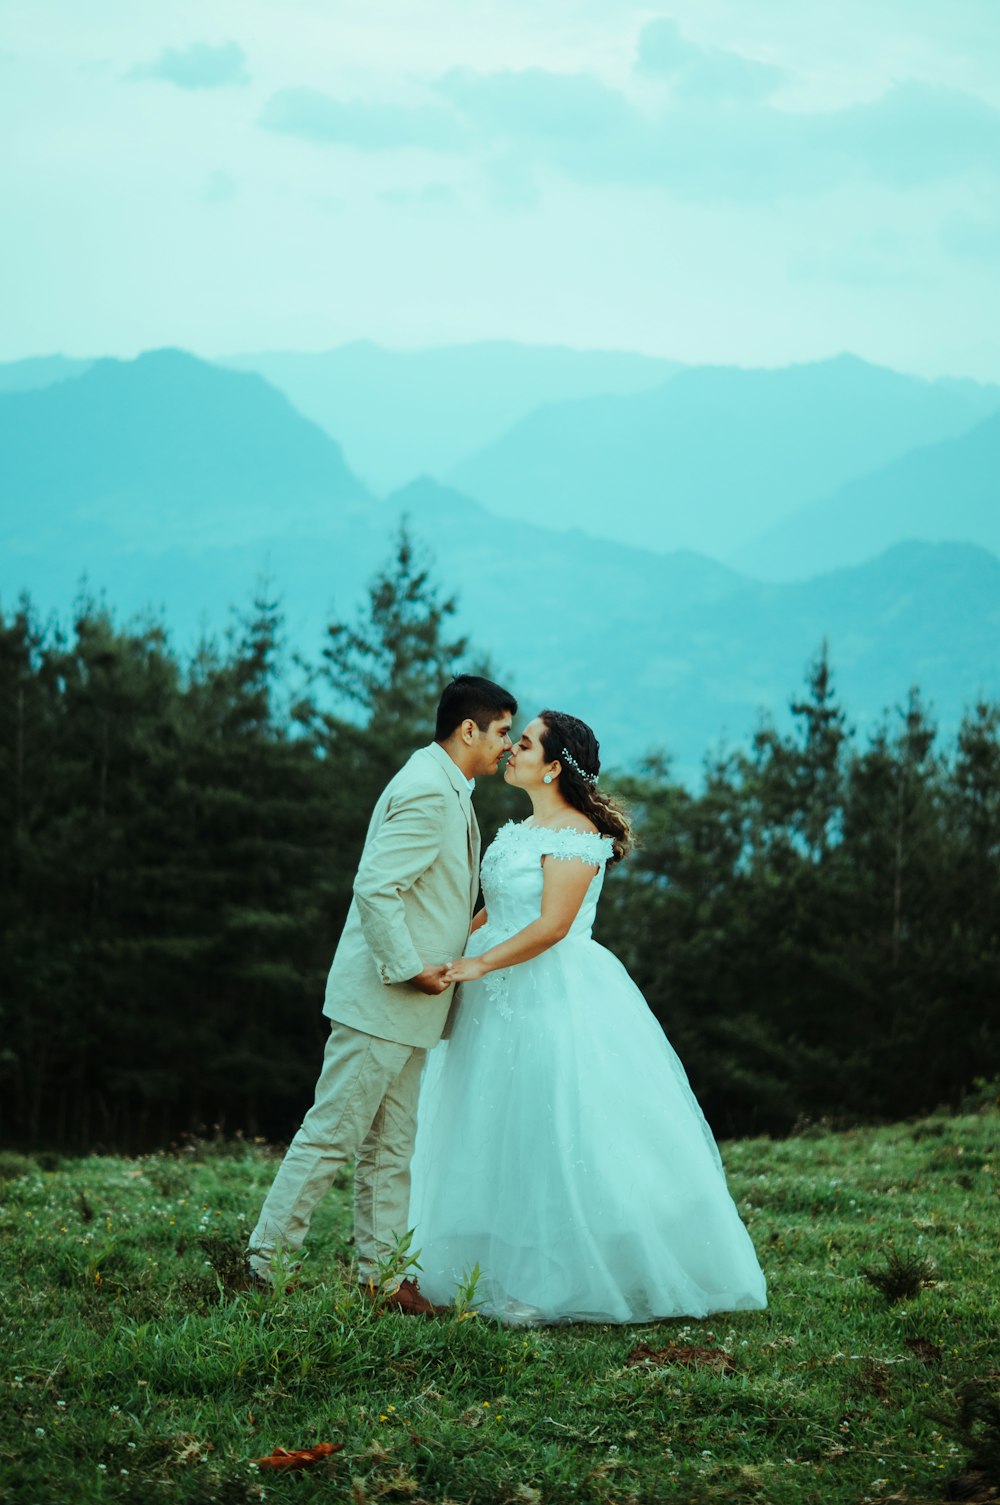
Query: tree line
<point x="817" y="928"/>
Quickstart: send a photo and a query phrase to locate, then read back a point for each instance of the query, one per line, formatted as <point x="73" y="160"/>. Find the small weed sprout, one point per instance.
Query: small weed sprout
<point x="465" y="1302"/>
<point x="902" y="1277"/>
<point x="284" y="1267"/>
<point x="228" y="1260"/>
<point x="401" y="1261"/>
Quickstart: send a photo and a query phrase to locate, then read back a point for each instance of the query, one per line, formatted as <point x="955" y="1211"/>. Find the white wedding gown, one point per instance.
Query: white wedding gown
<point x="559" y="1145"/>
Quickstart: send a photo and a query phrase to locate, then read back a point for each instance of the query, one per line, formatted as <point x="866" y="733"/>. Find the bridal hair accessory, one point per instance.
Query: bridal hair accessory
<point x="567" y="757"/>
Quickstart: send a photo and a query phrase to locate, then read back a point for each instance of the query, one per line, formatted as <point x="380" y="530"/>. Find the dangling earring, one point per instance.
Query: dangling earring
<point x="547" y="778"/>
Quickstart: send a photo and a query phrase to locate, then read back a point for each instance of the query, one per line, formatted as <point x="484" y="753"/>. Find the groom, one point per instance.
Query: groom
<point x="414" y="893"/>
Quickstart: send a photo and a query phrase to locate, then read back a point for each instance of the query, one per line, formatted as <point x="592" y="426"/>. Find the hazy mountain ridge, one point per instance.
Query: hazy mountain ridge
<point x="164" y="445"/>
<point x="38" y="371"/>
<point x="944" y="491"/>
<point x="715" y="456"/>
<point x="523" y="563"/>
<point x="983" y="396"/>
<point x="173" y="484"/>
<point x="400" y="414"/>
<point x="745" y="465"/>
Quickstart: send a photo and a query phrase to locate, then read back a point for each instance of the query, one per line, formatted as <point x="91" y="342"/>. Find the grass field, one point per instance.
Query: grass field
<point x="133" y="1370"/>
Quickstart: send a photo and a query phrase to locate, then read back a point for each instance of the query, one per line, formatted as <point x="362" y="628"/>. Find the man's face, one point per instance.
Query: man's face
<point x="490" y="746"/>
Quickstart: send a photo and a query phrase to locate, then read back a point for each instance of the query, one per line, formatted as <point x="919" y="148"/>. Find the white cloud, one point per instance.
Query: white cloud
<point x="369" y="127"/>
<point x="538" y="104"/>
<point x="726" y="203"/>
<point x="703" y="73"/>
<point x="199" y="66"/>
<point x="590" y="133"/>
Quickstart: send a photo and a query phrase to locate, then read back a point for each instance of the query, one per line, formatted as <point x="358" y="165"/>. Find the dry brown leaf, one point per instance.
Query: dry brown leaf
<point x="298" y="1457"/>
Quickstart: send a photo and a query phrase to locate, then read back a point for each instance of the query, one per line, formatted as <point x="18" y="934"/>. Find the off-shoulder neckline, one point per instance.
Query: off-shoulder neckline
<point x="522" y="825"/>
<point x="577" y="830"/>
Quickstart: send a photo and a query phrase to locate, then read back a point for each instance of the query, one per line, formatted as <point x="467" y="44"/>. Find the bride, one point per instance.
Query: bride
<point x="559" y="1145"/>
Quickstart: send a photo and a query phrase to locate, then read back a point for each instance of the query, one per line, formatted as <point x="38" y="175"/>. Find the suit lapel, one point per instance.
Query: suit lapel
<point x="474" y="850"/>
<point x="460" y="784"/>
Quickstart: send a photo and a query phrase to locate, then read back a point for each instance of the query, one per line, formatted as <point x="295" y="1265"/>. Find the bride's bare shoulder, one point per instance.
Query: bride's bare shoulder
<point x="582" y="823"/>
<point x="576" y="821"/>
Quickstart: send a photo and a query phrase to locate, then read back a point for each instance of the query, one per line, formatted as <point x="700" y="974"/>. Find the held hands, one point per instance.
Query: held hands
<point x="465" y="969"/>
<point x="432" y="979"/>
<point x="440" y="976"/>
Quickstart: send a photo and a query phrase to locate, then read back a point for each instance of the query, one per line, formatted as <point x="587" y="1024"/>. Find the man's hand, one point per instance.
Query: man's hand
<point x="466" y="969"/>
<point x="431" y="979"/>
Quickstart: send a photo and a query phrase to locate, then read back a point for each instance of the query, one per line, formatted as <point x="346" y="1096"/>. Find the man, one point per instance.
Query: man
<point x="414" y="894"/>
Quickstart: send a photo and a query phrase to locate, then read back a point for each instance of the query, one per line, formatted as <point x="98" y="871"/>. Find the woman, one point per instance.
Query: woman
<point x="559" y="1146"/>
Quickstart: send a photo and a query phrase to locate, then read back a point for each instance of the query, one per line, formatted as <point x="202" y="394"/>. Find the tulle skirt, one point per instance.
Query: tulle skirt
<point x="561" y="1149"/>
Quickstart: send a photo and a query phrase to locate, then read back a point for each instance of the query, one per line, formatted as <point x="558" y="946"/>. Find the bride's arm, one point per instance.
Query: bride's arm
<point x="564" y="886"/>
<point x="480" y="919"/>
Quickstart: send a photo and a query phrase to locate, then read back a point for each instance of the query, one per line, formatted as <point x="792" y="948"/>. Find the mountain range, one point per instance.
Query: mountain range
<point x="948" y="490"/>
<point x="39" y="371"/>
<point x="715" y="457"/>
<point x="175" y="484"/>
<point x="165" y="449"/>
<point x="401" y="414"/>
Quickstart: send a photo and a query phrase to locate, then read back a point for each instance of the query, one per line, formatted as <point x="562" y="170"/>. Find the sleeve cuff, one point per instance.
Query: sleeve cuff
<point x="392" y="975"/>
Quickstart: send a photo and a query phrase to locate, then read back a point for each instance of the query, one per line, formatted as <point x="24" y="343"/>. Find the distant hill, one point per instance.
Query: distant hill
<point x="184" y="499"/>
<point x="39" y="371"/>
<point x="165" y="449"/>
<point x="778" y="473"/>
<point x="919" y="614"/>
<point x="982" y="396"/>
<point x="678" y="651"/>
<point x="401" y="414"/>
<point x="949" y="490"/>
<point x="716" y="455"/>
<point x="661" y="651"/>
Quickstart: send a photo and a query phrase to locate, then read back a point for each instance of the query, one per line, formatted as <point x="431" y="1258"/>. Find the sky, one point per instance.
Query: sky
<point x="750" y="182"/>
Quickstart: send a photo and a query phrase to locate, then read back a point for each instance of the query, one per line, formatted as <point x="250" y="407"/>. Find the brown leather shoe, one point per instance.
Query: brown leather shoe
<point x="406" y="1298"/>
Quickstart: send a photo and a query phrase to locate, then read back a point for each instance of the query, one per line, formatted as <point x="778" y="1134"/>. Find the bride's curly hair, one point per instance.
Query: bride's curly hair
<point x="568" y="734"/>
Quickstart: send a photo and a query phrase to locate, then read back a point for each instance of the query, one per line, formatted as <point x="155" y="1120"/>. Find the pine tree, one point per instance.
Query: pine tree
<point x="969" y="885"/>
<point x="28" y="710"/>
<point x="257" y="837"/>
<point x="393" y="663"/>
<point x="384" y="675"/>
<point x="891" y="859"/>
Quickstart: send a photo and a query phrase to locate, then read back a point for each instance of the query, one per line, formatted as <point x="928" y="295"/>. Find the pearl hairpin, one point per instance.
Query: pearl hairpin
<point x="567" y="757"/>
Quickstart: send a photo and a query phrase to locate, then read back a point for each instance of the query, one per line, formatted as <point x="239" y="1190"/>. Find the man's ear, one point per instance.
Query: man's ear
<point x="469" y="730"/>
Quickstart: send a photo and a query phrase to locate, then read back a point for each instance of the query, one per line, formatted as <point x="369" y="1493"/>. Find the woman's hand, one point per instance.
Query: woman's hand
<point x="466" y="969"/>
<point x="564" y="887"/>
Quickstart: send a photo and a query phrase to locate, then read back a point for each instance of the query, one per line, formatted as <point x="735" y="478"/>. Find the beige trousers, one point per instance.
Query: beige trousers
<point x="365" y="1111"/>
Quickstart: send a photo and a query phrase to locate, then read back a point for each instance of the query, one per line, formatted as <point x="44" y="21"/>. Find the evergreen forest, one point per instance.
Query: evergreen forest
<point x="817" y="927"/>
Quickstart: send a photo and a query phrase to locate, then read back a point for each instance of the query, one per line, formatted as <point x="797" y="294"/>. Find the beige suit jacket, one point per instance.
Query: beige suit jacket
<point x="414" y="895"/>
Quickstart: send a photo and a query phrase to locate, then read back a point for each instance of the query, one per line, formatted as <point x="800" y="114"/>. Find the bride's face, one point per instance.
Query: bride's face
<point x="527" y="764"/>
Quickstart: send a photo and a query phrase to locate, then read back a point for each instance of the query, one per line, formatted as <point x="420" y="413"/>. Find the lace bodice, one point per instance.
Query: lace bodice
<point x="512" y="880"/>
<point x="512" y="874"/>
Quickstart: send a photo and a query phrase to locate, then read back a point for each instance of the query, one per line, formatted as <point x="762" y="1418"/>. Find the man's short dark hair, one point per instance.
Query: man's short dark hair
<point x="470" y="698"/>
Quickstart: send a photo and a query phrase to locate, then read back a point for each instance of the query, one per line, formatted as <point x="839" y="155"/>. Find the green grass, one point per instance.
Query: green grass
<point x="130" y="1369"/>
